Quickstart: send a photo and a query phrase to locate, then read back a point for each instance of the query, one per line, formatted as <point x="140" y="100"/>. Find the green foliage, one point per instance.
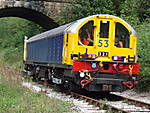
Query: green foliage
<point x="12" y="33"/>
<point x="129" y="12"/>
<point x="143" y="10"/>
<point x="13" y="30"/>
<point x="117" y="5"/>
<point x="135" y="11"/>
<point x="84" y="8"/>
<point x="144" y="52"/>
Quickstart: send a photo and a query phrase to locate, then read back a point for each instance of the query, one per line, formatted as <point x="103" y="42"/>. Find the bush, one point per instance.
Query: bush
<point x="84" y="8"/>
<point x="135" y="11"/>
<point x="129" y="12"/>
<point x="12" y="33"/>
<point x="143" y="9"/>
<point x="144" y="52"/>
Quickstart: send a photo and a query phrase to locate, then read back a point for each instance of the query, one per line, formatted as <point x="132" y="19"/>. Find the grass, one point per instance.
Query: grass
<point x="14" y="98"/>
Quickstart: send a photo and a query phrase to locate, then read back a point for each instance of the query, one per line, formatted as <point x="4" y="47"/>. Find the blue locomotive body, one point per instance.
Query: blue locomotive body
<point x="48" y="50"/>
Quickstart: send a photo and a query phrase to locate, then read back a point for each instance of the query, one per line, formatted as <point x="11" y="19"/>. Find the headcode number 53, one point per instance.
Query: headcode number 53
<point x="103" y="43"/>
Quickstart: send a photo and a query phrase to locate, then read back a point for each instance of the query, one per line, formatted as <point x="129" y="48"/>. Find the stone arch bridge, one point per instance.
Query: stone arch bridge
<point x="42" y="12"/>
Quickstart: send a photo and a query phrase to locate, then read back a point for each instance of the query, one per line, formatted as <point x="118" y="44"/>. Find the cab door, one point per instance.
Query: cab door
<point x="105" y="38"/>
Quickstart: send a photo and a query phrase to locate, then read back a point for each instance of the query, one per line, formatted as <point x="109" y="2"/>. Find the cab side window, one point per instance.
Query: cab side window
<point x="122" y="36"/>
<point x="86" y="34"/>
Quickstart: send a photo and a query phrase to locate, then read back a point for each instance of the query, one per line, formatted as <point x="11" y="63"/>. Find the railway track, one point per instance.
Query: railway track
<point x="131" y="105"/>
<point x="117" y="106"/>
<point x="88" y="104"/>
<point x="99" y="103"/>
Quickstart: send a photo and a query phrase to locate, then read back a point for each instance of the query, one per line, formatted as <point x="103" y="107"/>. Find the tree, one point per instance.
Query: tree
<point x="143" y="9"/>
<point x="84" y="8"/>
<point x="129" y="11"/>
<point x="117" y="4"/>
<point x="135" y="11"/>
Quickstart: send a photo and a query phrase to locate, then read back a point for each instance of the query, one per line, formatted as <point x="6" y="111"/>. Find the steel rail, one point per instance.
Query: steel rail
<point x="136" y="102"/>
<point x="96" y="103"/>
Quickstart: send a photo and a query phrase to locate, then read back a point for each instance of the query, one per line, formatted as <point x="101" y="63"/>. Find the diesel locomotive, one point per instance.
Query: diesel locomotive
<point x="96" y="53"/>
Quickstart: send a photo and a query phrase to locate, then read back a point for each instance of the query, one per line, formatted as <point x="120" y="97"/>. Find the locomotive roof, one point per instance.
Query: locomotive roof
<point x="71" y="28"/>
<point x="75" y="26"/>
<point x="51" y="33"/>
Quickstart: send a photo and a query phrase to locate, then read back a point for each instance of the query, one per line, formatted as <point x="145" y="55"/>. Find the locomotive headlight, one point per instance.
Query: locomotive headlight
<point x="118" y="58"/>
<point x="82" y="74"/>
<point x="115" y="58"/>
<point x="80" y="56"/>
<point x="89" y="56"/>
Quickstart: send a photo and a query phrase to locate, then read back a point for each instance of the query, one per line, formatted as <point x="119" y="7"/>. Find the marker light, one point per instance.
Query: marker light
<point x="82" y="74"/>
<point x="91" y="56"/>
<point x="118" y="58"/>
<point x="115" y="58"/>
<point x="93" y="65"/>
<point x="80" y="56"/>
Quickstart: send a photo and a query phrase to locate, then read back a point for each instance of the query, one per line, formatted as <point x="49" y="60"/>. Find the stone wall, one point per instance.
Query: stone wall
<point x="51" y="8"/>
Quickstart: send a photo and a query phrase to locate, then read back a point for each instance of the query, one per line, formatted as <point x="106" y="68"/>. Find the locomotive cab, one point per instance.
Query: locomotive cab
<point x="104" y="38"/>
